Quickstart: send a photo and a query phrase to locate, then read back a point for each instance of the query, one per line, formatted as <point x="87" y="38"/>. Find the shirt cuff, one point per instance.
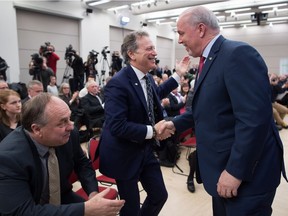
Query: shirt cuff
<point x="149" y="134"/>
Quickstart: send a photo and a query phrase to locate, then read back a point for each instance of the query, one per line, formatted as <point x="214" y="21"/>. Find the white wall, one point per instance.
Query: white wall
<point x="94" y="29"/>
<point x="271" y="43"/>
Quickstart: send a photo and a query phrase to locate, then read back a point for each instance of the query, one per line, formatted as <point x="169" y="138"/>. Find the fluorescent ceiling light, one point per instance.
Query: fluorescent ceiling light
<point x="277" y="18"/>
<point x="272" y="6"/>
<point x="118" y="8"/>
<point x="234" y="22"/>
<point x="98" y="2"/>
<point x="237" y="10"/>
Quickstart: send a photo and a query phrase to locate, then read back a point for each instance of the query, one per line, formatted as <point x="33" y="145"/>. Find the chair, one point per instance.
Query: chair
<point x="92" y="148"/>
<point x="113" y="193"/>
<point x="189" y="144"/>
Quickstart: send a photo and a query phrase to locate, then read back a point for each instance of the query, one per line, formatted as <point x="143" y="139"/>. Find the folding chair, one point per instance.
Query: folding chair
<point x="189" y="144"/>
<point x="113" y="193"/>
<point x="92" y="148"/>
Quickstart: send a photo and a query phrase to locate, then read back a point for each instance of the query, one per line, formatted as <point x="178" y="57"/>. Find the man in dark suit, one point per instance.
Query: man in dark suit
<point x="128" y="136"/>
<point x="24" y="177"/>
<point x="34" y="87"/>
<point x="92" y="105"/>
<point x="240" y="154"/>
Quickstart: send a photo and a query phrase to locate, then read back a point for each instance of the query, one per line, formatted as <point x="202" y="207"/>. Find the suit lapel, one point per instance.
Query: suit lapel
<point x="136" y="85"/>
<point x="208" y="63"/>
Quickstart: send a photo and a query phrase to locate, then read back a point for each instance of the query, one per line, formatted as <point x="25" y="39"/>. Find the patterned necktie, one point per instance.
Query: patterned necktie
<point x="54" y="178"/>
<point x="150" y="104"/>
<point x="201" y="64"/>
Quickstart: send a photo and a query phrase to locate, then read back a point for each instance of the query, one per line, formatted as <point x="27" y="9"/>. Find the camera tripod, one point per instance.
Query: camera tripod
<point x="104" y="65"/>
<point x="66" y="74"/>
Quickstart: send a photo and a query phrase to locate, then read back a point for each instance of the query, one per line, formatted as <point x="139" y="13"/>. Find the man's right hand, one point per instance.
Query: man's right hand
<point x="100" y="206"/>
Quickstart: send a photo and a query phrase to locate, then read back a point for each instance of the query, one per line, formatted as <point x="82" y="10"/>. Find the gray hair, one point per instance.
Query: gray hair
<point x="32" y="83"/>
<point x="130" y="44"/>
<point x="201" y="14"/>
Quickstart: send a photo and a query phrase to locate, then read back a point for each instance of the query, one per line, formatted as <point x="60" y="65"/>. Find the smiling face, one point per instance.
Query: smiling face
<point x="144" y="57"/>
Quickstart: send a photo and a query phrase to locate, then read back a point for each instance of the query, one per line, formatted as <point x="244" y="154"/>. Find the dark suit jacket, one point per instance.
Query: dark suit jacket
<point x="173" y="109"/>
<point x="126" y="116"/>
<point x="234" y="126"/>
<point x="21" y="179"/>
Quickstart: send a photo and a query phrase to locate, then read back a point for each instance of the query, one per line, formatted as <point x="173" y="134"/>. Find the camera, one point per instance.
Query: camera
<point x="37" y="61"/>
<point x="46" y="49"/>
<point x="93" y="56"/>
<point x="105" y="51"/>
<point x="69" y="53"/>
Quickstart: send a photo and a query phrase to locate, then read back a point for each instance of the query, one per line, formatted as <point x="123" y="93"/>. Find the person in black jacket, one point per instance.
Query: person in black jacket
<point x="24" y="175"/>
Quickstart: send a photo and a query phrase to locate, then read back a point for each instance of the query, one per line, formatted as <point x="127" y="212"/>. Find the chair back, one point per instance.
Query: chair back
<point x="93" y="145"/>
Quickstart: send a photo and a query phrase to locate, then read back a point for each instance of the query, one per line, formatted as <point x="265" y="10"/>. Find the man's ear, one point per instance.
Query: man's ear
<point x="36" y="129"/>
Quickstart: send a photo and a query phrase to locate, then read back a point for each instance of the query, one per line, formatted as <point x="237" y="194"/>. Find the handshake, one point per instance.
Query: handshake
<point x="164" y="129"/>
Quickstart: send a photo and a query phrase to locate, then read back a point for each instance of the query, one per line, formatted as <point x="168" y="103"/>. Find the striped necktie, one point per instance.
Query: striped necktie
<point x="150" y="104"/>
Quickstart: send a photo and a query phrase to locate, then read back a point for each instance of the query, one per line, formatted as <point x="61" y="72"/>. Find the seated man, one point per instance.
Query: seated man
<point x="34" y="88"/>
<point x="92" y="106"/>
<point x="25" y="172"/>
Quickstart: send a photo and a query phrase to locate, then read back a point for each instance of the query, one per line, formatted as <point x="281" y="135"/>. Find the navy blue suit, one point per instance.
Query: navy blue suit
<point x="21" y="179"/>
<point x="125" y="154"/>
<point x="232" y="116"/>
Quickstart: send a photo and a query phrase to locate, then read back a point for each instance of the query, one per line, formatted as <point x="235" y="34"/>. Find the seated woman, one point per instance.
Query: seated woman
<point x="10" y="112"/>
<point x="71" y="100"/>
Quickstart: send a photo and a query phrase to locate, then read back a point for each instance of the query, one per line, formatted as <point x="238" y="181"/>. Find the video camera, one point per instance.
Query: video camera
<point x="105" y="51"/>
<point x="37" y="63"/>
<point x="70" y="52"/>
<point x="46" y="49"/>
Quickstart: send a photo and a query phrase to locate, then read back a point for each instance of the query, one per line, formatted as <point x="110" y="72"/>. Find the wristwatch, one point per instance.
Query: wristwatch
<point x="154" y="132"/>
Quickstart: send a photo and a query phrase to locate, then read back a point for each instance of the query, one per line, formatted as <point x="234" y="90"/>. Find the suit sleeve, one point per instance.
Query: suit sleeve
<point x="16" y="197"/>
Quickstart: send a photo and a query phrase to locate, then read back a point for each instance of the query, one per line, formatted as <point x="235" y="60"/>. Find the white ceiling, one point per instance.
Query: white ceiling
<point x="227" y="11"/>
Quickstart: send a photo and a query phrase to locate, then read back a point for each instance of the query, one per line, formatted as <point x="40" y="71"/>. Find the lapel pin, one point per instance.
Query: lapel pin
<point x="210" y="58"/>
<point x="136" y="84"/>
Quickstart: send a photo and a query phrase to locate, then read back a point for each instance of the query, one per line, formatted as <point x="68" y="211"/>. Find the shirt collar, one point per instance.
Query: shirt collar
<point x="209" y="46"/>
<point x="140" y="75"/>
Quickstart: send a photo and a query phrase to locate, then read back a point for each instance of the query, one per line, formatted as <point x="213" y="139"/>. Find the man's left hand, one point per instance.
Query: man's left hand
<point x="227" y="185"/>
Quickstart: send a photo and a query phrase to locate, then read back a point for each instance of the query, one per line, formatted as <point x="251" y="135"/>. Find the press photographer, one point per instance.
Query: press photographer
<point x="90" y="64"/>
<point x="116" y="64"/>
<point x="39" y="70"/>
<point x="48" y="51"/>
<point x="3" y="68"/>
<point x="76" y="63"/>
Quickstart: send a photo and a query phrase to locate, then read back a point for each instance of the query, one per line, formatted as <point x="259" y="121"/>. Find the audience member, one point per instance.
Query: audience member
<point x="24" y="155"/>
<point x="279" y="110"/>
<point x="185" y="88"/>
<point x="3" y="85"/>
<point x="129" y="135"/>
<point x="34" y="88"/>
<point x="168" y="154"/>
<point x="92" y="105"/>
<point x="239" y="150"/>
<point x="84" y="90"/>
<point x="52" y="87"/>
<point x="72" y="101"/>
<point x="10" y="112"/>
<point x="167" y="71"/>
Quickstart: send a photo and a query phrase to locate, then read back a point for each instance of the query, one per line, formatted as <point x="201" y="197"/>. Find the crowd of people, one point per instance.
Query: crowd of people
<point x="140" y="114"/>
